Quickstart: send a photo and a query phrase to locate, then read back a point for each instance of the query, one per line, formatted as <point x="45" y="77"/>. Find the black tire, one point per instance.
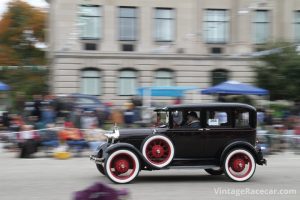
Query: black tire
<point x="215" y="172"/>
<point x="239" y="165"/>
<point x="100" y="168"/>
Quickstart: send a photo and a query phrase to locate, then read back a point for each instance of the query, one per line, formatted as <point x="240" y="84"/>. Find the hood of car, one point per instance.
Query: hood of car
<point x="139" y="132"/>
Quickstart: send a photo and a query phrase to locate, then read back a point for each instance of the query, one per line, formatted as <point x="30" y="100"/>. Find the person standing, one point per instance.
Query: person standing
<point x="37" y="107"/>
<point x="26" y="141"/>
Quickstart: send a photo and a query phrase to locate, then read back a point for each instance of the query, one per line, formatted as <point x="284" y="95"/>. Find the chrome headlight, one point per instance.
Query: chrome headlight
<point x="112" y="134"/>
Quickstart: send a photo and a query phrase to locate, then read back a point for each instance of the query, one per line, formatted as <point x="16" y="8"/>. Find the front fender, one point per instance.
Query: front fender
<point x="118" y="146"/>
<point x="242" y="144"/>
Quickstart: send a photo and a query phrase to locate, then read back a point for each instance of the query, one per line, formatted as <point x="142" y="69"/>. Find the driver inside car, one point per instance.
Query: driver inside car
<point x="192" y="120"/>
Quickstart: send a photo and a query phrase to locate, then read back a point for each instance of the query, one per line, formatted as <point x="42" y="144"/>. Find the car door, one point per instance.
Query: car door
<point x="225" y="127"/>
<point x="218" y="130"/>
<point x="188" y="142"/>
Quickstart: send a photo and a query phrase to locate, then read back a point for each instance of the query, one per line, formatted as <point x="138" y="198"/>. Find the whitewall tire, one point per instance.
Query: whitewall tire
<point x="158" y="150"/>
<point x="239" y="165"/>
<point x="122" y="166"/>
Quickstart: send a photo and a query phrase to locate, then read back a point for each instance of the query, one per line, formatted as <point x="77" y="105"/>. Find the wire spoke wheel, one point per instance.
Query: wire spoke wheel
<point x="122" y="166"/>
<point x="240" y="165"/>
<point x="158" y="150"/>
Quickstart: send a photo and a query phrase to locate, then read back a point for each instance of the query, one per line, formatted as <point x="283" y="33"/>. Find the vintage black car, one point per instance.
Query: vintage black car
<point x="217" y="137"/>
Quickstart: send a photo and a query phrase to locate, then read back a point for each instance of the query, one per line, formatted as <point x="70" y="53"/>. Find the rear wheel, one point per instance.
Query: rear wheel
<point x="239" y="165"/>
<point x="122" y="166"/>
<point x="214" y="171"/>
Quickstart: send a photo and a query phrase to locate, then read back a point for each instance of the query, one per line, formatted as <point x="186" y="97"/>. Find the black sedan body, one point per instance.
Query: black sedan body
<point x="224" y="141"/>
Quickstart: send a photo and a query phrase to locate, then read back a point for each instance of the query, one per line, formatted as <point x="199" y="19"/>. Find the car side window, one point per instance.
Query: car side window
<point x="189" y="119"/>
<point x="217" y="118"/>
<point x="242" y="119"/>
<point x="177" y="116"/>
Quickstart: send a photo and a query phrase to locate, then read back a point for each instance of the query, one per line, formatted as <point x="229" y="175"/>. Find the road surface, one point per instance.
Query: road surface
<point x="45" y="178"/>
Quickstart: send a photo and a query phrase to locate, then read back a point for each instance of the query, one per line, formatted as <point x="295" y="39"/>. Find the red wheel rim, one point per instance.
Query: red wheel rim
<point x="239" y="165"/>
<point x="122" y="166"/>
<point x="158" y="151"/>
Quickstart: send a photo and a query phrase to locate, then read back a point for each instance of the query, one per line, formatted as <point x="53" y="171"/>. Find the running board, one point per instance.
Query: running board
<point x="193" y="167"/>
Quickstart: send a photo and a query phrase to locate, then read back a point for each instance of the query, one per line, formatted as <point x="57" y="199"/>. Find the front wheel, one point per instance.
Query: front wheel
<point x="122" y="166"/>
<point x="215" y="172"/>
<point x="239" y="165"/>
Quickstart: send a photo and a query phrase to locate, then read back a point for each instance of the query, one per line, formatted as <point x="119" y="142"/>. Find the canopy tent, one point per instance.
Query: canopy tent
<point x="235" y="87"/>
<point x="4" y="87"/>
<point x="165" y="91"/>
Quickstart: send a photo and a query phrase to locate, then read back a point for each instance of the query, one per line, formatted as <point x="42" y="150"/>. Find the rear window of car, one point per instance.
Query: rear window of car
<point x="218" y="118"/>
<point x="242" y="118"/>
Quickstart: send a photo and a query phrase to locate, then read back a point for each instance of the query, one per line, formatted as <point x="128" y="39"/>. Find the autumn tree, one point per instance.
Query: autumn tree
<point x="21" y="28"/>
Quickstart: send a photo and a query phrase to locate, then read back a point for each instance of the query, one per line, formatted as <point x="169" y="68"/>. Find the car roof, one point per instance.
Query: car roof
<point x="207" y="105"/>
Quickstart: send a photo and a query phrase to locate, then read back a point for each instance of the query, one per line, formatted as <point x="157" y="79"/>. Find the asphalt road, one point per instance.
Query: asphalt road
<point x="51" y="179"/>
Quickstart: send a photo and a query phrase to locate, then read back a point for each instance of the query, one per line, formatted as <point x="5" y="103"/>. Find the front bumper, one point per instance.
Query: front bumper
<point x="99" y="155"/>
<point x="96" y="159"/>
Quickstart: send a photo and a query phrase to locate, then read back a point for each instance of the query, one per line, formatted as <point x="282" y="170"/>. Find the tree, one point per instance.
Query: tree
<point x="21" y="27"/>
<point x="279" y="72"/>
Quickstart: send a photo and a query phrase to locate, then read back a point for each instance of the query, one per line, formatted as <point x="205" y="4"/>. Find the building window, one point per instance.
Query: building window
<point x="90" y="21"/>
<point x="164" y="78"/>
<point x="127" y="82"/>
<point x="261" y="26"/>
<point x="127" y="23"/>
<point x="219" y="76"/>
<point x="297" y="26"/>
<point x="91" y="82"/>
<point x="164" y="24"/>
<point x="216" y="26"/>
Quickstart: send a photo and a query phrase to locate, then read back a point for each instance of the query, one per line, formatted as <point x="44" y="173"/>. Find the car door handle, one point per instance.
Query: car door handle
<point x="200" y="129"/>
<point x="207" y="129"/>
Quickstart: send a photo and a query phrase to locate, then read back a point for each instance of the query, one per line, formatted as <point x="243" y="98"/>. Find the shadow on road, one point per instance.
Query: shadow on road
<point x="179" y="178"/>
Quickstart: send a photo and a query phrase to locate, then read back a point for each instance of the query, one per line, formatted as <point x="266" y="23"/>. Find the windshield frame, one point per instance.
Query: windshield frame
<point x="162" y="122"/>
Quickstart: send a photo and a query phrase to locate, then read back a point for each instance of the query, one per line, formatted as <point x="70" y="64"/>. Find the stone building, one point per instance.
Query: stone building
<point x="109" y="48"/>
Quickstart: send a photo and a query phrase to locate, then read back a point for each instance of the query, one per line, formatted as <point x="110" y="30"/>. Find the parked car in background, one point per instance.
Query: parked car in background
<point x="65" y="103"/>
<point x="219" y="138"/>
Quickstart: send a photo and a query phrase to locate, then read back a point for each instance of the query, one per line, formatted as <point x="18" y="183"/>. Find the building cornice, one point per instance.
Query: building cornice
<point x="69" y="54"/>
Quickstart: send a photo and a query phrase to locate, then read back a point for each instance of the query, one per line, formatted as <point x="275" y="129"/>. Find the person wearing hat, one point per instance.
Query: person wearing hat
<point x="192" y="120"/>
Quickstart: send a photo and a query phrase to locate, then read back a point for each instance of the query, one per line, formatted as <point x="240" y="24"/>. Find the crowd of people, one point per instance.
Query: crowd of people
<point x="278" y="133"/>
<point x="44" y="124"/>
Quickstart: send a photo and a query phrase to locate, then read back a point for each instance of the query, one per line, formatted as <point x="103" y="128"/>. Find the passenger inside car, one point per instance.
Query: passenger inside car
<point x="192" y="120"/>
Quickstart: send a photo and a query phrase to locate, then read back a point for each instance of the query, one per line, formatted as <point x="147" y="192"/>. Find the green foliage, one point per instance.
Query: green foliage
<point x="21" y="27"/>
<point x="27" y="81"/>
<point x="280" y="72"/>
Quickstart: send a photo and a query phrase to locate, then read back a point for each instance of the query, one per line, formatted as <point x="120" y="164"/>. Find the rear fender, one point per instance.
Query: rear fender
<point x="245" y="145"/>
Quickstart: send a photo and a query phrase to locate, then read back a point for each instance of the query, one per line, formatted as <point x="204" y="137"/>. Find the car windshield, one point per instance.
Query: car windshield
<point x="162" y="119"/>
